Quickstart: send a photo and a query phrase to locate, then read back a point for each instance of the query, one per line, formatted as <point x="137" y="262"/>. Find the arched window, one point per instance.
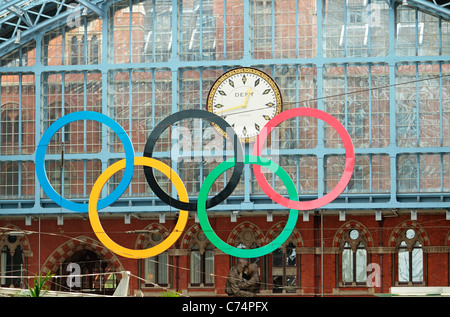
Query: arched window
<point x="157" y="267"/>
<point x="201" y="261"/>
<point x="97" y="275"/>
<point x="285" y="263"/>
<point x="410" y="257"/>
<point x="12" y="262"/>
<point x="354" y="258"/>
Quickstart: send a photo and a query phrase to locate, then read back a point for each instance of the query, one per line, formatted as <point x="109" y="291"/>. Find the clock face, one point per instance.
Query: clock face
<point x="247" y="99"/>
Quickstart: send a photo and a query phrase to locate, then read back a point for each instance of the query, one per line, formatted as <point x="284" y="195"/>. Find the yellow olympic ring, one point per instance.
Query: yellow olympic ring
<point x="95" y="220"/>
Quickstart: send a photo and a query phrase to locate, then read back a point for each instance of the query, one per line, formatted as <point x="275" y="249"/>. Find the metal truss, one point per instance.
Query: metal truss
<point x="21" y="19"/>
<point x="437" y="7"/>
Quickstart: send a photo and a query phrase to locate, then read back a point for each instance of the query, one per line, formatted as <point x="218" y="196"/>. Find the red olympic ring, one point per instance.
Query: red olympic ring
<point x="349" y="159"/>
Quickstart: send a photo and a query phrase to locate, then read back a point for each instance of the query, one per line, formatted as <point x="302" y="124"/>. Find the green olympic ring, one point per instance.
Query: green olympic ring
<point x="210" y="233"/>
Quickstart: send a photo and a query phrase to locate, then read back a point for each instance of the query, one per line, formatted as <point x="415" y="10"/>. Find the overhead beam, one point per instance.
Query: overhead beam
<point x="94" y="8"/>
<point x="432" y="7"/>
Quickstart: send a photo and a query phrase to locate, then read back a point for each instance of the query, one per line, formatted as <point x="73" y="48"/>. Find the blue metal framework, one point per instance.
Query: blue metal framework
<point x="387" y="61"/>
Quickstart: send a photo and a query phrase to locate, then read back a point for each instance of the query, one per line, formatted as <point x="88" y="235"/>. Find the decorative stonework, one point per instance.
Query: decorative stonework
<point x="399" y="231"/>
<point x="21" y="240"/>
<point x="345" y="229"/>
<point x="247" y="234"/>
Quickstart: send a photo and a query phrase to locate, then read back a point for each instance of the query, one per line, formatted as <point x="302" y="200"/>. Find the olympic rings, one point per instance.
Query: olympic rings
<point x="202" y="203"/>
<point x="349" y="158"/>
<point x="222" y="124"/>
<point x="106" y="240"/>
<point x="212" y="236"/>
<point x="45" y="140"/>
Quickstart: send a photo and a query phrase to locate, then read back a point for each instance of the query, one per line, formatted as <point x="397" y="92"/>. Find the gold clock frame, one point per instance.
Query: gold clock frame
<point x="240" y="70"/>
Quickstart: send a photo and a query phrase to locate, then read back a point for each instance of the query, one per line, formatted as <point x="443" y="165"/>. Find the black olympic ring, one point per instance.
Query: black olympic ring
<point x="224" y="126"/>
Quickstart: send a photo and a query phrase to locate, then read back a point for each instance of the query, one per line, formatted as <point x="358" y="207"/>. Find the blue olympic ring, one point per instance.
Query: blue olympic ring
<point x="42" y="148"/>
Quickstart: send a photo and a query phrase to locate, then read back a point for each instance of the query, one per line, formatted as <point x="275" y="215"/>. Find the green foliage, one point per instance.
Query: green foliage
<point x="39" y="284"/>
<point x="170" y="293"/>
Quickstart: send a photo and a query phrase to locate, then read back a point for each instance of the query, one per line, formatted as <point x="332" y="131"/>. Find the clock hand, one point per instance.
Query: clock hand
<point x="249" y="91"/>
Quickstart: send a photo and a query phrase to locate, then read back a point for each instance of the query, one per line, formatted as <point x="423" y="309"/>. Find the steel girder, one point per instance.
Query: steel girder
<point x="21" y="19"/>
<point x="436" y="7"/>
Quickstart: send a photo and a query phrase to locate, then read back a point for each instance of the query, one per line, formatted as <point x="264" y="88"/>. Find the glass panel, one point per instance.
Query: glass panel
<point x="291" y="255"/>
<point x="417" y="263"/>
<point x="407" y="173"/>
<point x="445" y="91"/>
<point x="277" y="257"/>
<point x="380" y="105"/>
<point x="406" y="106"/>
<point x="9" y="172"/>
<point x="360" y="181"/>
<point x="277" y="282"/>
<point x="209" y="267"/>
<point x="403" y="263"/>
<point x="195" y="267"/>
<point x="381" y="174"/>
<point x="356" y="28"/>
<point x="150" y="269"/>
<point x="347" y="264"/>
<point x="409" y="32"/>
<point x="334" y="166"/>
<point x="430" y="173"/>
<point x="17" y="114"/>
<point x="429" y="105"/>
<point x="361" y="264"/>
<point x="163" y="268"/>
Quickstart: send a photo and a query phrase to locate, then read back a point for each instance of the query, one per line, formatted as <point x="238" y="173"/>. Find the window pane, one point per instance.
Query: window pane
<point x="403" y="265"/>
<point x="417" y="263"/>
<point x="209" y="267"/>
<point x="347" y="265"/>
<point x="163" y="268"/>
<point x="277" y="257"/>
<point x="195" y="267"/>
<point x="361" y="265"/>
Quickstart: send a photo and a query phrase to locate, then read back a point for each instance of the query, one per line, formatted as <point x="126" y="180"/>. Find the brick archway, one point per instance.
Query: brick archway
<point x="66" y="250"/>
<point x="22" y="240"/>
<point x="143" y="239"/>
<point x="258" y="236"/>
<point x="276" y="229"/>
<point x="352" y="224"/>
<point x="406" y="225"/>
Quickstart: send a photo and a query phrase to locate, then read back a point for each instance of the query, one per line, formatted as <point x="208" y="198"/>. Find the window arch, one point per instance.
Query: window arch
<point x="97" y="273"/>
<point x="12" y="261"/>
<point x="156" y="268"/>
<point x="410" y="257"/>
<point x="285" y="264"/>
<point x="353" y="258"/>
<point x="201" y="260"/>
